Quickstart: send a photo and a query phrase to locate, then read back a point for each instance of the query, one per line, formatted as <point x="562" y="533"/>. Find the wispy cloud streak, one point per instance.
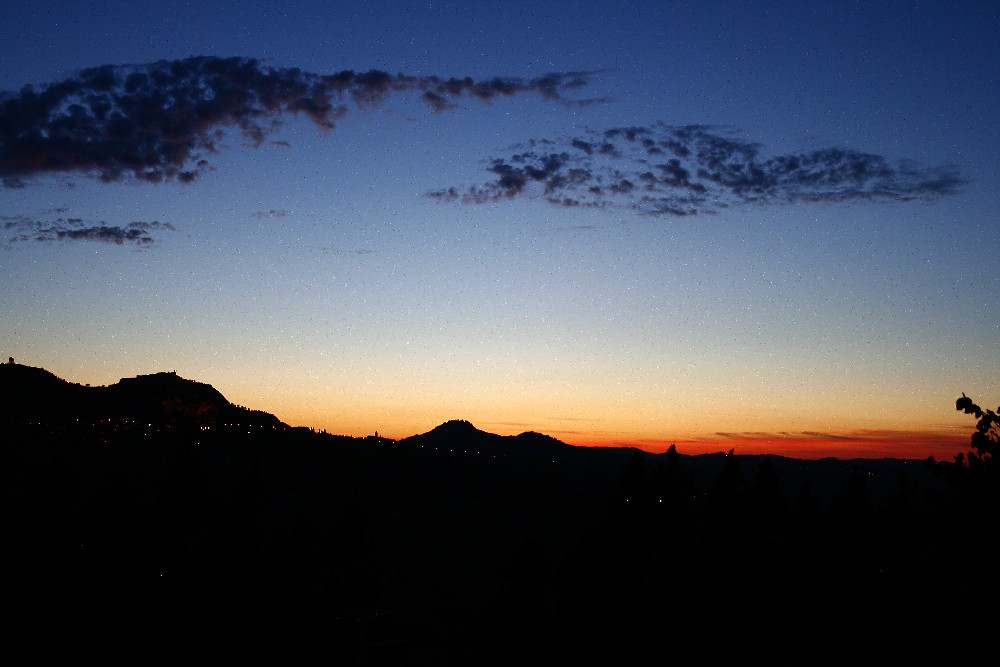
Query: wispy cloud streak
<point x="664" y="170"/>
<point x="21" y="229"/>
<point x="159" y="122"/>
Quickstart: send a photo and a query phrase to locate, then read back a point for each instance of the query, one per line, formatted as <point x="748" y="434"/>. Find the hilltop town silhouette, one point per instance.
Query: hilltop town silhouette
<point x="154" y="520"/>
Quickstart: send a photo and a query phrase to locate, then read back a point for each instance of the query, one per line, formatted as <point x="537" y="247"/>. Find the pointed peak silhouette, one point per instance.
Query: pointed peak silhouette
<point x="461" y="436"/>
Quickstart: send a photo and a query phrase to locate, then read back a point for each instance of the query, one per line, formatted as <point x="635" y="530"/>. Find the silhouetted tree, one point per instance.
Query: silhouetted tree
<point x="986" y="439"/>
<point x="673" y="486"/>
<point x="975" y="473"/>
<point x="805" y="500"/>
<point x="765" y="492"/>
<point x="729" y="484"/>
<point x="634" y="481"/>
<point x="853" y="500"/>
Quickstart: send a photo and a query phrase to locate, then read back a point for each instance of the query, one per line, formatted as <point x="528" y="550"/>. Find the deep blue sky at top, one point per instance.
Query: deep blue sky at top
<point x="857" y="69"/>
<point x="292" y="257"/>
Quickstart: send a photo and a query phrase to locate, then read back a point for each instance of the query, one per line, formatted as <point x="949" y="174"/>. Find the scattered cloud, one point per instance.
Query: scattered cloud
<point x="578" y="228"/>
<point x="22" y="229"/>
<point x="356" y="252"/>
<point x="273" y="213"/>
<point x="159" y="122"/>
<point x="826" y="436"/>
<point x="664" y="170"/>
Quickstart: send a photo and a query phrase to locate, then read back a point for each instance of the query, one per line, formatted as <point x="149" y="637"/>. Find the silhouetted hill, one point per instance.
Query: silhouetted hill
<point x="27" y="392"/>
<point x="34" y="394"/>
<point x="460" y="436"/>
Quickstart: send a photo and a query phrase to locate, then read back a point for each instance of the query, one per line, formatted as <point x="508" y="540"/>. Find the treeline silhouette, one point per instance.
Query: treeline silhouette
<point x="186" y="543"/>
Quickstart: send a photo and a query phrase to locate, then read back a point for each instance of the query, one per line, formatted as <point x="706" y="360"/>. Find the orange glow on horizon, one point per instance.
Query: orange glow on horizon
<point x="942" y="442"/>
<point x="860" y="444"/>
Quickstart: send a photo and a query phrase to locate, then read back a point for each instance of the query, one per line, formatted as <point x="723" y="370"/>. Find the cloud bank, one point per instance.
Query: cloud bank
<point x="158" y="122"/>
<point x="20" y="229"/>
<point x="664" y="170"/>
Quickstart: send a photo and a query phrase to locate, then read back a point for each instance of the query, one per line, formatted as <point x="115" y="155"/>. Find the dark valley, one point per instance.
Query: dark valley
<point x="154" y="520"/>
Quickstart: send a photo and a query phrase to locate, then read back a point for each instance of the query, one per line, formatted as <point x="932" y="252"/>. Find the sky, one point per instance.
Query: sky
<point x="760" y="226"/>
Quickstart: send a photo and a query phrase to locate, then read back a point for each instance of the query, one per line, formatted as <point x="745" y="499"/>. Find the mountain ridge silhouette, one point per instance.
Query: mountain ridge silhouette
<point x="461" y="434"/>
<point x="29" y="393"/>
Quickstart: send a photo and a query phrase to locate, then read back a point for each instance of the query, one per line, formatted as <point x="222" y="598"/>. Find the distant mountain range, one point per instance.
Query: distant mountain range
<point x="30" y="394"/>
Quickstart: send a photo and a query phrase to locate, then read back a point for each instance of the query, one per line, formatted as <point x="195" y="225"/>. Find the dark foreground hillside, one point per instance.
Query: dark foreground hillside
<point x="182" y="542"/>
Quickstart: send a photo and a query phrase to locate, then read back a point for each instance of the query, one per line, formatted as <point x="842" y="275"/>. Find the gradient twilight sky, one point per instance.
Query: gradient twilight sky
<point x="431" y="252"/>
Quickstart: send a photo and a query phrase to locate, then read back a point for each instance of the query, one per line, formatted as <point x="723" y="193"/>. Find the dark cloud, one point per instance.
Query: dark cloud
<point x="664" y="170"/>
<point x="158" y="122"/>
<point x="273" y="213"/>
<point x="828" y="436"/>
<point x="20" y="229"/>
<point x="578" y="228"/>
<point x="358" y="252"/>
